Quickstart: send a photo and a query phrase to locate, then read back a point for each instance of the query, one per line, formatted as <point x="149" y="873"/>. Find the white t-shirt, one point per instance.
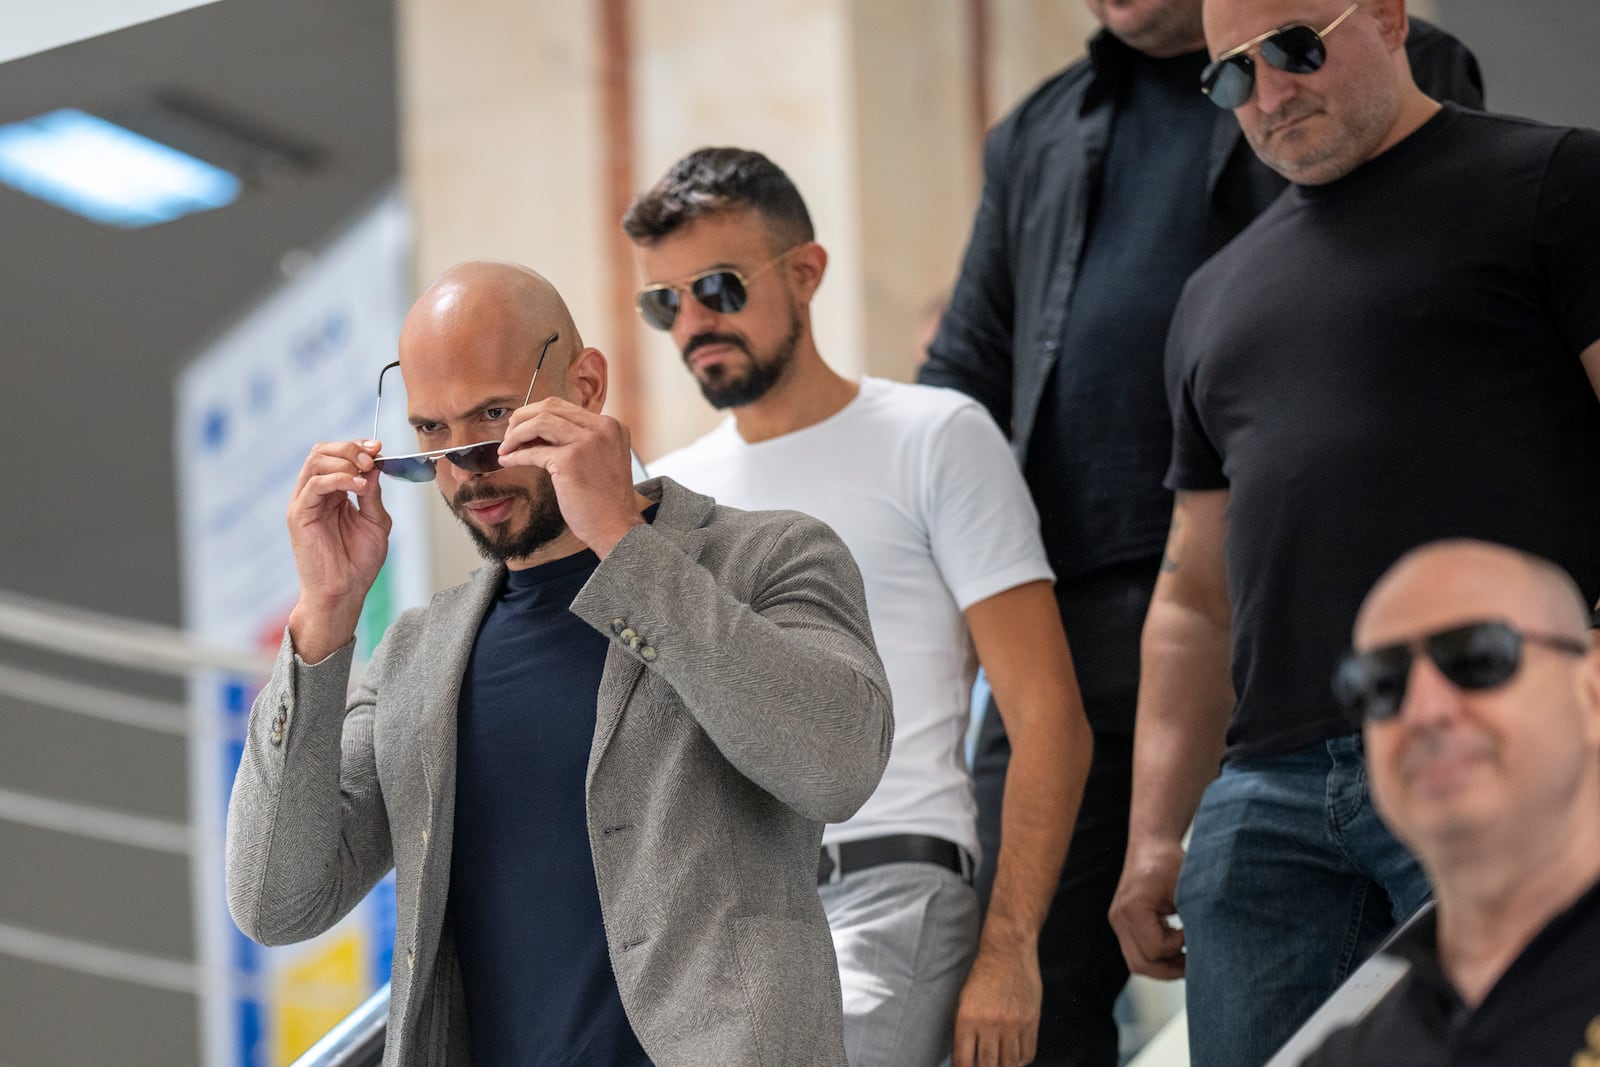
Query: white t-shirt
<point x="921" y="486"/>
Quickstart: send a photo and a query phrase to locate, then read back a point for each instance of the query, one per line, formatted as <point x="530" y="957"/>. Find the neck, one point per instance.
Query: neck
<point x="1495" y="896"/>
<point x="1416" y="108"/>
<point x="809" y="393"/>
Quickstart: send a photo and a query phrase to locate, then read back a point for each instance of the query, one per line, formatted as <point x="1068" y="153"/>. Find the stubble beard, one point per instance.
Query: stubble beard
<point x="1353" y="143"/>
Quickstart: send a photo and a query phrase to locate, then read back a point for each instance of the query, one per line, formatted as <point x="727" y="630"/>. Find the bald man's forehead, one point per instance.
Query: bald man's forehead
<point x="1445" y="586"/>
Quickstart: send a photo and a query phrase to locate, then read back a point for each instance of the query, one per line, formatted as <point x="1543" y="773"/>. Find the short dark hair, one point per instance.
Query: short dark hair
<point x="708" y="181"/>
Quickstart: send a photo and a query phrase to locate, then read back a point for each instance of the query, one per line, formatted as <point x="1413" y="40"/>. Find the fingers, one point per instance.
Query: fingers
<point x="337" y="457"/>
<point x="1149" y="945"/>
<point x="554" y="422"/>
<point x="985" y="1040"/>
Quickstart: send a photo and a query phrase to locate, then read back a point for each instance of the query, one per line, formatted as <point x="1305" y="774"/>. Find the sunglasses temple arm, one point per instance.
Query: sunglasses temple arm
<point x="537" y="367"/>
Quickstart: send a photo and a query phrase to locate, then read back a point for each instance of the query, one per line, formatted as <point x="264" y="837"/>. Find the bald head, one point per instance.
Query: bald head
<point x="516" y="304"/>
<point x="1460" y="580"/>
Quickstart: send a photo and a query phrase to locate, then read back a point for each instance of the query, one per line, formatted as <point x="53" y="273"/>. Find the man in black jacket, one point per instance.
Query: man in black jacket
<point x="1103" y="190"/>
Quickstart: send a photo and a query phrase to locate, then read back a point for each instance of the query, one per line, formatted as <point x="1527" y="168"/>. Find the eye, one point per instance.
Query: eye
<point x="496" y="414"/>
<point x="426" y="429"/>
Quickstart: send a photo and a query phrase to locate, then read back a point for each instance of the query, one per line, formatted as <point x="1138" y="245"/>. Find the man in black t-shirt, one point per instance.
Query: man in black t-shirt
<point x="1394" y="352"/>
<point x="1103" y="190"/>
<point x="1480" y="691"/>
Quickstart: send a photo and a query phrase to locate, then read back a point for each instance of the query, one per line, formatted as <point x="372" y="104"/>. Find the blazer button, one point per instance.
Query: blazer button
<point x="648" y="654"/>
<point x="411" y="960"/>
<point x="424" y="838"/>
<point x="635" y="641"/>
<point x="617" y="624"/>
<point x="629" y="635"/>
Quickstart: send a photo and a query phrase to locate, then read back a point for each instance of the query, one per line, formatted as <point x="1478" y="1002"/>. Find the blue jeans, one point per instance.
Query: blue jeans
<point x="1289" y="883"/>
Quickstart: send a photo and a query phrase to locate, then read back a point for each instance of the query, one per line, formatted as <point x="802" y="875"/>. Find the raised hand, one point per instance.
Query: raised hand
<point x="588" y="458"/>
<point x="339" y="544"/>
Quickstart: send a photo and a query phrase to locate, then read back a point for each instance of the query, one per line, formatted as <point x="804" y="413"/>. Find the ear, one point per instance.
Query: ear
<point x="1393" y="23"/>
<point x="586" y="380"/>
<point x="1587" y="681"/>
<point x="806" y="268"/>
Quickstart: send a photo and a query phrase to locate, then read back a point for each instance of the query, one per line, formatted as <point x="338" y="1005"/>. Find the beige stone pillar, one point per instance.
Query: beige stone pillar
<point x="527" y="123"/>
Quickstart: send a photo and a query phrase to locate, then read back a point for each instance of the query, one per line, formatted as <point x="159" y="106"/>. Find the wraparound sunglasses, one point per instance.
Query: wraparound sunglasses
<point x="1230" y="78"/>
<point x="721" y="289"/>
<point x="1371" y="685"/>
<point x="480" y="458"/>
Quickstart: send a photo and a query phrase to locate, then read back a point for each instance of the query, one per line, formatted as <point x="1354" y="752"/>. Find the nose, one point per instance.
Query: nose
<point x="1430" y="698"/>
<point x="1273" y="88"/>
<point x="693" y="317"/>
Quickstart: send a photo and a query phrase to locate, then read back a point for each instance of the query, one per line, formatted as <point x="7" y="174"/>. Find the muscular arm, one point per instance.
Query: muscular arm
<point x="1185" y="700"/>
<point x="1024" y="654"/>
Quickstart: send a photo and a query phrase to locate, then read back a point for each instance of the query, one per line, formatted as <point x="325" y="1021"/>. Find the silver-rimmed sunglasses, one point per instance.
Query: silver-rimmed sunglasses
<point x="480" y="458"/>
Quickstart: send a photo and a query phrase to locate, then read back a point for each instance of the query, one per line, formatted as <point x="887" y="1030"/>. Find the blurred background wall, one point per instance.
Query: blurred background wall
<point x="514" y="130"/>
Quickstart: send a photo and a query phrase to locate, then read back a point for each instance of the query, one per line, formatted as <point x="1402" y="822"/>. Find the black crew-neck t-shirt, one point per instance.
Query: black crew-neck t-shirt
<point x="1544" y="1011"/>
<point x="1380" y="362"/>
<point x="524" y="904"/>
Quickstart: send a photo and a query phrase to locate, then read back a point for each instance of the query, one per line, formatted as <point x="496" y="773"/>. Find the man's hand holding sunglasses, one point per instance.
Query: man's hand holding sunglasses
<point x="339" y="532"/>
<point x="589" y="459"/>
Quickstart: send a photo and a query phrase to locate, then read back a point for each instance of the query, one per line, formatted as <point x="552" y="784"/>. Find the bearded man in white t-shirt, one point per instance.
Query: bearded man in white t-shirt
<point x="921" y="486"/>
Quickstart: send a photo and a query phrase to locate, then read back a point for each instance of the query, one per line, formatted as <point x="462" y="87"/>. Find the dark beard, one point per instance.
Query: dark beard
<point x="735" y="391"/>
<point x="500" y="543"/>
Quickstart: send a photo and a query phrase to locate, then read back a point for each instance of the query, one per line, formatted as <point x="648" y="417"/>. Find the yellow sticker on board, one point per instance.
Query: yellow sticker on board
<point x="313" y="994"/>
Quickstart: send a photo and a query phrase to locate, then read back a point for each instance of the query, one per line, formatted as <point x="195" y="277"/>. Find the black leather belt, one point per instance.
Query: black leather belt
<point x="848" y="857"/>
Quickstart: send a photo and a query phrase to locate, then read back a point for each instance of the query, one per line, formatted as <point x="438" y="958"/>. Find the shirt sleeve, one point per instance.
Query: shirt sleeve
<point x="1566" y="223"/>
<point x="971" y="352"/>
<point x="1196" y="461"/>
<point x="983" y="529"/>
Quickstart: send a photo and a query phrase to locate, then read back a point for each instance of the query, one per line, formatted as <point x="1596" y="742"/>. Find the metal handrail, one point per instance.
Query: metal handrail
<point x="355" y="1042"/>
<point x="94" y="635"/>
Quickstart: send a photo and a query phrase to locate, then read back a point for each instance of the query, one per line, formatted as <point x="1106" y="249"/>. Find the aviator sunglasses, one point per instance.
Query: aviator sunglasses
<point x="480" y="458"/>
<point x="1230" y="78"/>
<point x="720" y="289"/>
<point x="1479" y="655"/>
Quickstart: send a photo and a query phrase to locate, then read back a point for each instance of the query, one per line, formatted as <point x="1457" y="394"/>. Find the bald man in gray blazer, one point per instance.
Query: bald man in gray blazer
<point x="740" y="704"/>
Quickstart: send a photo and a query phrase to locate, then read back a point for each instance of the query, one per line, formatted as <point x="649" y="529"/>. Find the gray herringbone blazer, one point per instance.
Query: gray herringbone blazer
<point x="751" y="709"/>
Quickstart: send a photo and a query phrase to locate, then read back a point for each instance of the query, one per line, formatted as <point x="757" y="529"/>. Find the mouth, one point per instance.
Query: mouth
<point x="489" y="512"/>
<point x="1444" y="773"/>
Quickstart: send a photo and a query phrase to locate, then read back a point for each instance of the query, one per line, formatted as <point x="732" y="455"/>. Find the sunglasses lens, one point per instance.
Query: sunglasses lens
<point x="722" y="292"/>
<point x="1480" y="656"/>
<point x="659" y="307"/>
<point x="1295" y="50"/>
<point x="407" y="468"/>
<point x="1371" y="685"/>
<point x="1229" y="82"/>
<point x="476" y="459"/>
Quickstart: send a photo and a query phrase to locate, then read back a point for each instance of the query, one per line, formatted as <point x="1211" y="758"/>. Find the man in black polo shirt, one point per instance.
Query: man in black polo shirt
<point x="1480" y="692"/>
<point x="1394" y="352"/>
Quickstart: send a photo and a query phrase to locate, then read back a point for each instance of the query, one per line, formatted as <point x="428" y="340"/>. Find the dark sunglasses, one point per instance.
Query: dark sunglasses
<point x="720" y="289"/>
<point x="1480" y="655"/>
<point x="480" y="458"/>
<point x="1230" y="78"/>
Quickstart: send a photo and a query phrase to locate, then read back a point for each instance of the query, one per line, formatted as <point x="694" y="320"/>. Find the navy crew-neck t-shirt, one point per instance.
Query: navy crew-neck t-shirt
<point x="523" y="900"/>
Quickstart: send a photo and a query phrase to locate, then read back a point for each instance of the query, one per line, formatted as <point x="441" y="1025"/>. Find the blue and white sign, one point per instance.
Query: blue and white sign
<point x="303" y="367"/>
